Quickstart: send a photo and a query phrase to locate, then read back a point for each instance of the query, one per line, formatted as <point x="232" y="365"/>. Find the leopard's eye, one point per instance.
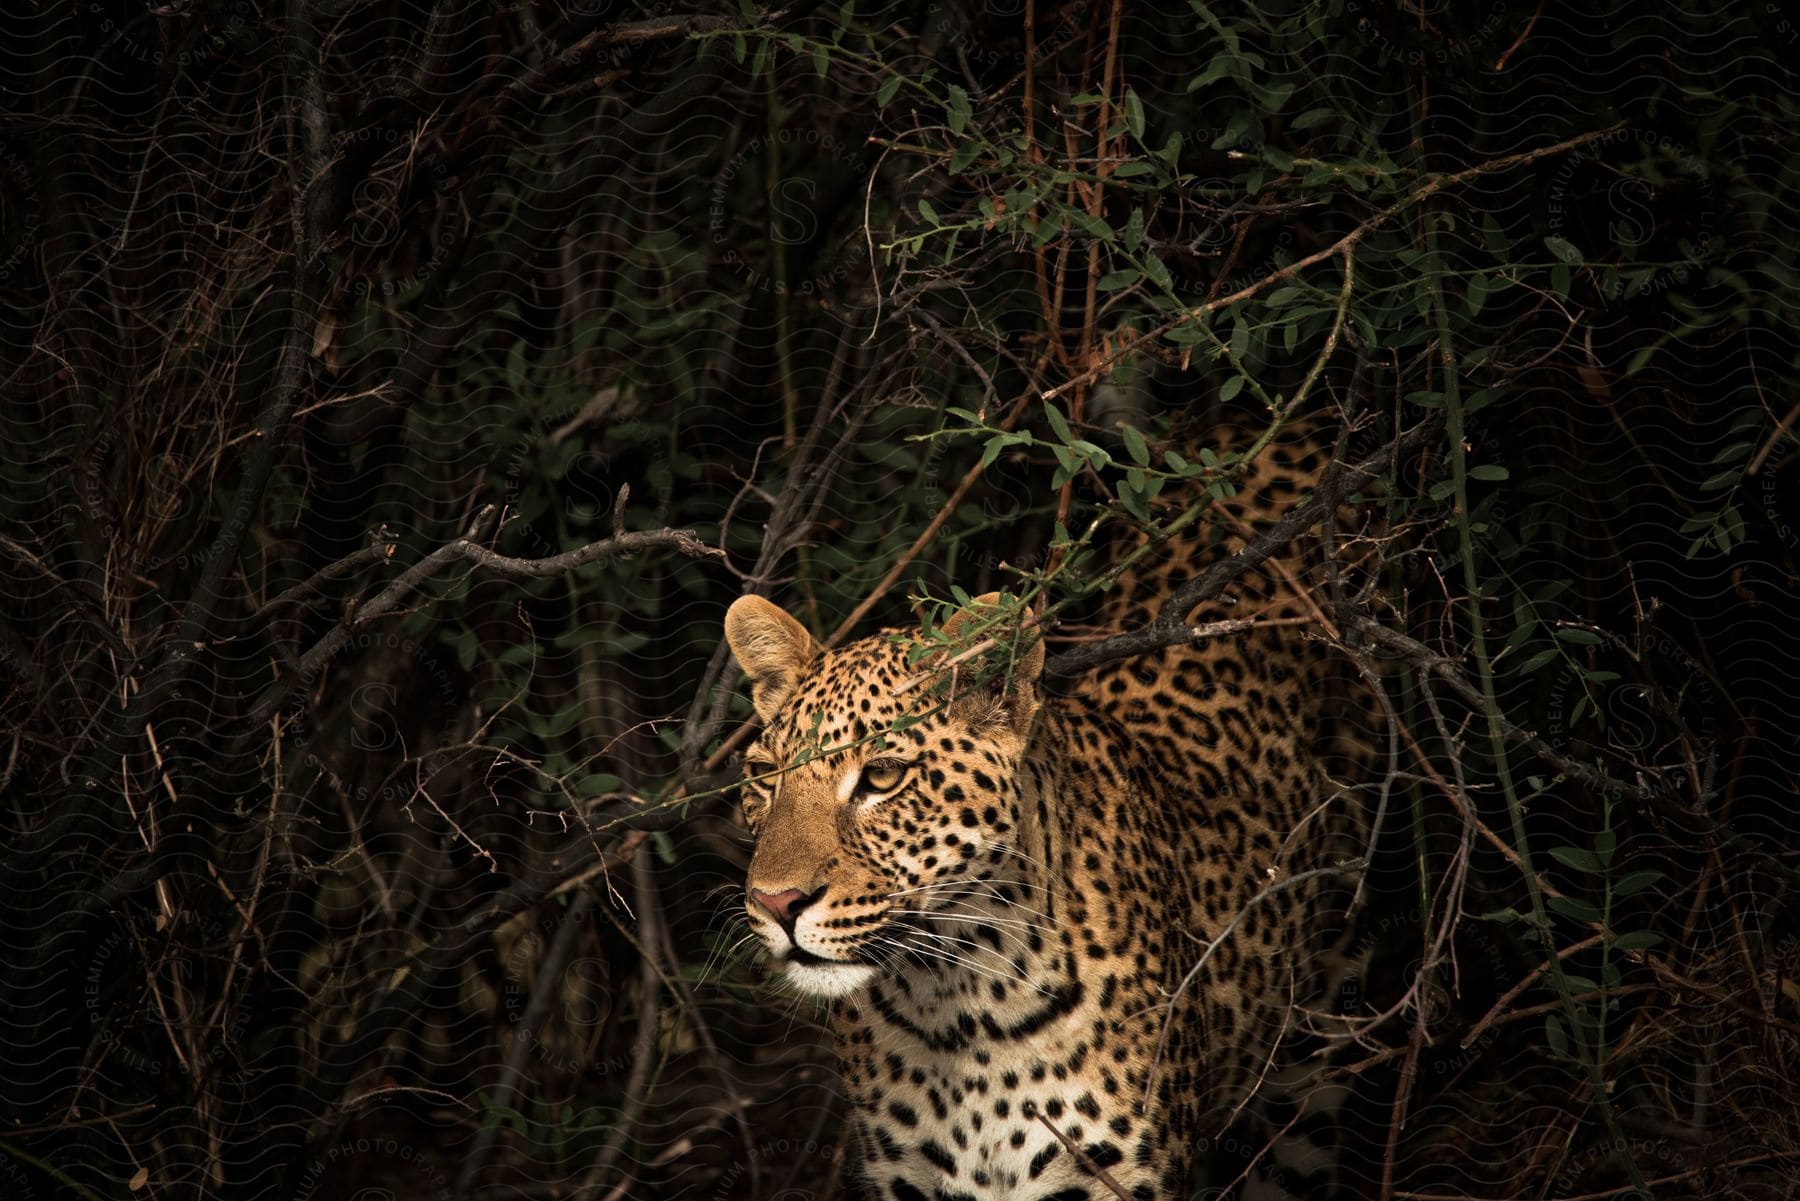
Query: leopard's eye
<point x="881" y="776"/>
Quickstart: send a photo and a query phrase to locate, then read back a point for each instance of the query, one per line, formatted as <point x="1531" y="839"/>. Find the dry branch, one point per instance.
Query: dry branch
<point x="468" y="549"/>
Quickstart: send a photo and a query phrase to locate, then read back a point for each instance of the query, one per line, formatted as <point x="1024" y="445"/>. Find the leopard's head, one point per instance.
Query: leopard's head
<point x="885" y="791"/>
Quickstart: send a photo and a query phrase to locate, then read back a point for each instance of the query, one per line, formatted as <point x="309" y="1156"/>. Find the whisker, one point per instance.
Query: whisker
<point x="950" y="897"/>
<point x="965" y="961"/>
<point x="1017" y="939"/>
<point x="988" y="894"/>
<point x="971" y="888"/>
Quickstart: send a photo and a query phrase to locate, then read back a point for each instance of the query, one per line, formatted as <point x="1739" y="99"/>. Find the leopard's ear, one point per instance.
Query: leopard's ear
<point x="1017" y="702"/>
<point x="773" y="649"/>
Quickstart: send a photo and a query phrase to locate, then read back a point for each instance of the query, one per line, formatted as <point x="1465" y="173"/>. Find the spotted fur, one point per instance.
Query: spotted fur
<point x="1012" y="899"/>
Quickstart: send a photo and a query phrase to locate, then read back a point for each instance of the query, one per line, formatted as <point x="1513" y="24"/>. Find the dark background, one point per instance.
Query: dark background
<point x="343" y="862"/>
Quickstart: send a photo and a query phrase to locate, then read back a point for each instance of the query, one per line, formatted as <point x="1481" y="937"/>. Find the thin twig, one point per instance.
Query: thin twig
<point x="1280" y="885"/>
<point x="637" y="1085"/>
<point x="1342" y="245"/>
<point x="1450" y="672"/>
<point x="1100" y="1173"/>
<point x="467" y="549"/>
<point x="546" y="989"/>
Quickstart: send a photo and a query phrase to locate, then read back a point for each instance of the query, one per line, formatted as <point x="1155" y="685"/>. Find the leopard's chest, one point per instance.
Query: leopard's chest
<point x="1020" y="1111"/>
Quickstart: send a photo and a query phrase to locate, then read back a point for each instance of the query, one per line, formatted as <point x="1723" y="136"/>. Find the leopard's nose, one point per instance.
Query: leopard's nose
<point x="785" y="907"/>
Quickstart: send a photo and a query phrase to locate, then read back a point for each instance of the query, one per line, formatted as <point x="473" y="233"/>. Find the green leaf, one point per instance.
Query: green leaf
<point x="886" y="91"/>
<point x="1575" y="910"/>
<point x="1313" y="117"/>
<point x="1565" y="250"/>
<point x="1135" y="446"/>
<point x="963" y="155"/>
<point x="1493" y="238"/>
<point x="1733" y="453"/>
<point x="1240" y="340"/>
<point x="957" y="110"/>
<point x="1231" y="387"/>
<point x="1112" y="281"/>
<point x="1476" y="293"/>
<point x="1637" y="940"/>
<point x="1731" y="528"/>
<point x="595" y="785"/>
<point x="1556" y="1036"/>
<point x="928" y="212"/>
<point x="1215" y="70"/>
<point x="1134" y="114"/>
<point x="1633" y="883"/>
<point x="1275" y="95"/>
<point x="1092" y="224"/>
<point x="1579" y="637"/>
<point x="1158" y="272"/>
<point x="822" y="59"/>
<point x="1522" y="632"/>
<point x="1488" y="471"/>
<point x="1236" y="126"/>
<point x="1576" y="857"/>
<point x="1134" y="230"/>
<point x="1096" y="456"/>
<point x="1059" y="425"/>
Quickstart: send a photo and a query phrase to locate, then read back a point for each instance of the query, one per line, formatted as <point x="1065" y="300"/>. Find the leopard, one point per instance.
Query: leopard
<point x="1058" y="927"/>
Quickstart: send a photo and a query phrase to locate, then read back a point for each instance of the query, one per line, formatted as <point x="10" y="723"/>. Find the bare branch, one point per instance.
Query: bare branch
<point x="466" y="548"/>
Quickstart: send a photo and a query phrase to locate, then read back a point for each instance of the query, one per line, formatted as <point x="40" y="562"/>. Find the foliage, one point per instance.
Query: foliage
<point x="889" y="306"/>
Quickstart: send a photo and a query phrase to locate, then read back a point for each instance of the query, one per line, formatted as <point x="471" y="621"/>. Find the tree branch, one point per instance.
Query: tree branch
<point x="1171" y="627"/>
<point x="466" y="548"/>
<point x="1343" y="245"/>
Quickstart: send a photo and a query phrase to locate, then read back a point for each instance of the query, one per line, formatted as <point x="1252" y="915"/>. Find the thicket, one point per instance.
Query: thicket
<point x="396" y="395"/>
